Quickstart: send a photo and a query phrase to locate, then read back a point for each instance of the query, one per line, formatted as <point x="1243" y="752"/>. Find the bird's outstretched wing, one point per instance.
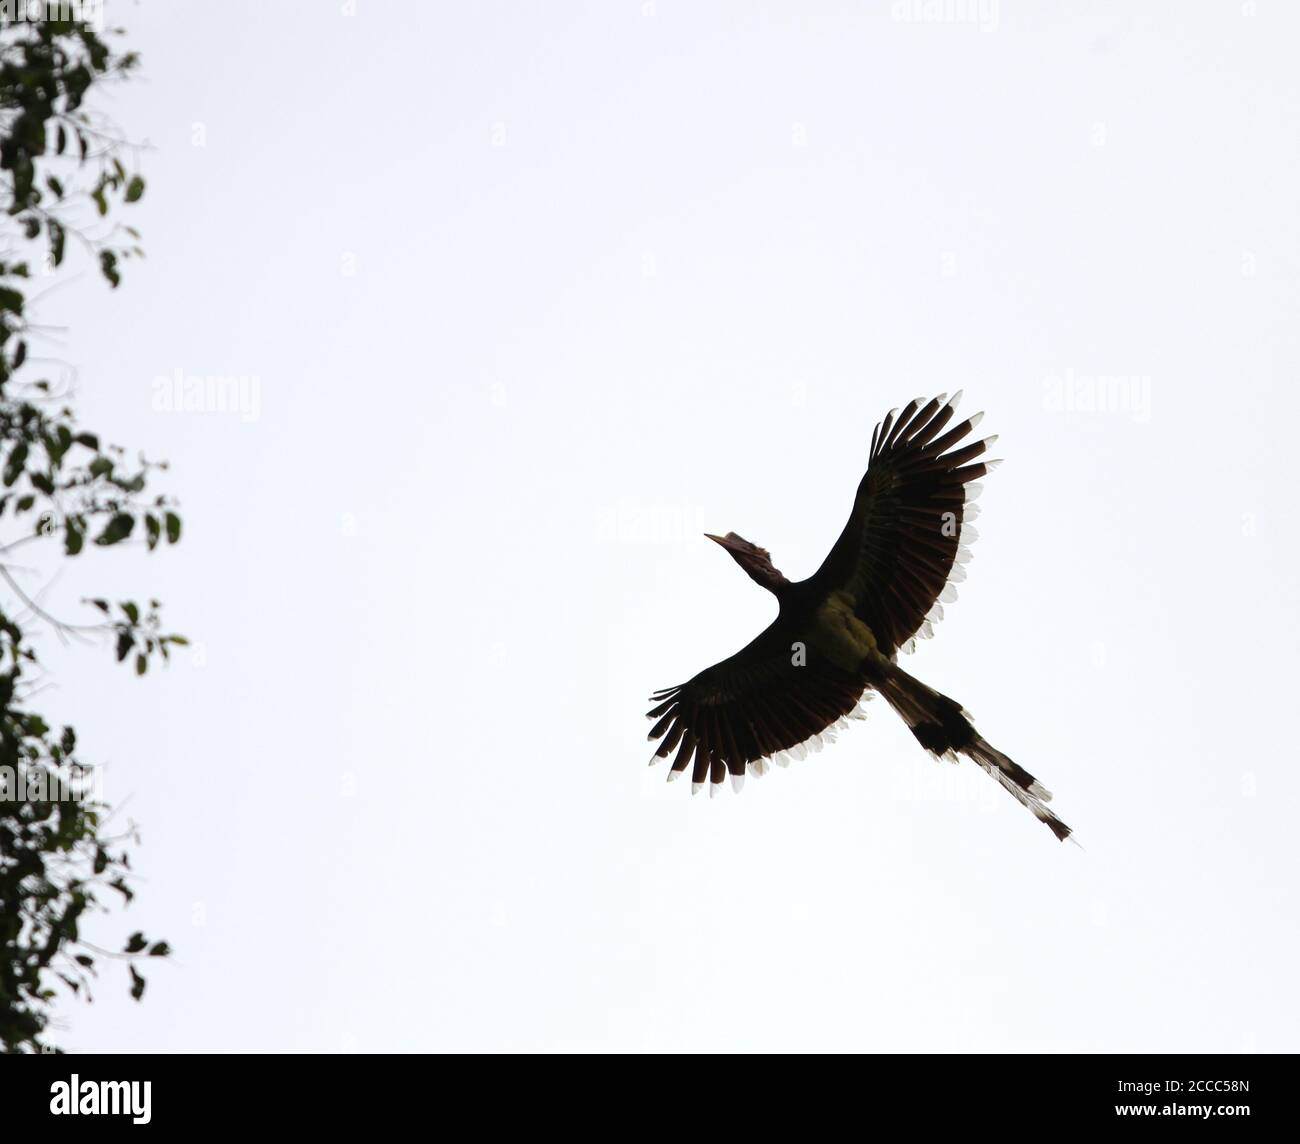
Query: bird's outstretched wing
<point x="905" y="543"/>
<point x="768" y="701"/>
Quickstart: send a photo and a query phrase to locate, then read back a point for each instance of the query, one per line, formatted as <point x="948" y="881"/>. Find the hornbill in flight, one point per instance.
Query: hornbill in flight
<point x="838" y="634"/>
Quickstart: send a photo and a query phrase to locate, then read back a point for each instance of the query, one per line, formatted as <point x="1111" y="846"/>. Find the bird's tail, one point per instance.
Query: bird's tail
<point x="942" y="728"/>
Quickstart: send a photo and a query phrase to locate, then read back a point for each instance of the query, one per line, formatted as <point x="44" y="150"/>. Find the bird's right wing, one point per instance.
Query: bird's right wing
<point x="904" y="543"/>
<point x="773" y="698"/>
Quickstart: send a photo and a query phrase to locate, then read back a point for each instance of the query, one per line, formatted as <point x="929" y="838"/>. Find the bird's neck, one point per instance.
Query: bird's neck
<point x="763" y="573"/>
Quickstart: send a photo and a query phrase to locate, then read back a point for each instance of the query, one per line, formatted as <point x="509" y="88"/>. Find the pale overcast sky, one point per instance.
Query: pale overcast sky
<point x="527" y="297"/>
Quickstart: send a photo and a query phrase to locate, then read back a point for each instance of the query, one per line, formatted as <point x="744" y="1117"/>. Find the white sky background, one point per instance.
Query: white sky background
<point x="401" y="803"/>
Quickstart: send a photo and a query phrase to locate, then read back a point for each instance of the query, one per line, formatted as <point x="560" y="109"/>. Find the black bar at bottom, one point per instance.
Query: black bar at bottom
<point x="1219" y="1094"/>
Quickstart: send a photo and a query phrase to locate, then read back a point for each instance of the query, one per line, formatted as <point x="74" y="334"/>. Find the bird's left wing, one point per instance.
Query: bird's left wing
<point x="774" y="698"/>
<point x="905" y="541"/>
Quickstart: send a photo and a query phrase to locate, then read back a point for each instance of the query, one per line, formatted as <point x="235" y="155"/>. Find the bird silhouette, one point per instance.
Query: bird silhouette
<point x="836" y="638"/>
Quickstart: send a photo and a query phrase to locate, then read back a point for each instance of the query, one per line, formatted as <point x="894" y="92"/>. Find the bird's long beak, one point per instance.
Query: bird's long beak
<point x="716" y="539"/>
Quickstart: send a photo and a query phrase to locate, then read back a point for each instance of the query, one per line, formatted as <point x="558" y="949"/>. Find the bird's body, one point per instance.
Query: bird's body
<point x="838" y="633"/>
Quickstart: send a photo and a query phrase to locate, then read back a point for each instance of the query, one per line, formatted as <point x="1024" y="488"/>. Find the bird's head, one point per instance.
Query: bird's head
<point x="757" y="562"/>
